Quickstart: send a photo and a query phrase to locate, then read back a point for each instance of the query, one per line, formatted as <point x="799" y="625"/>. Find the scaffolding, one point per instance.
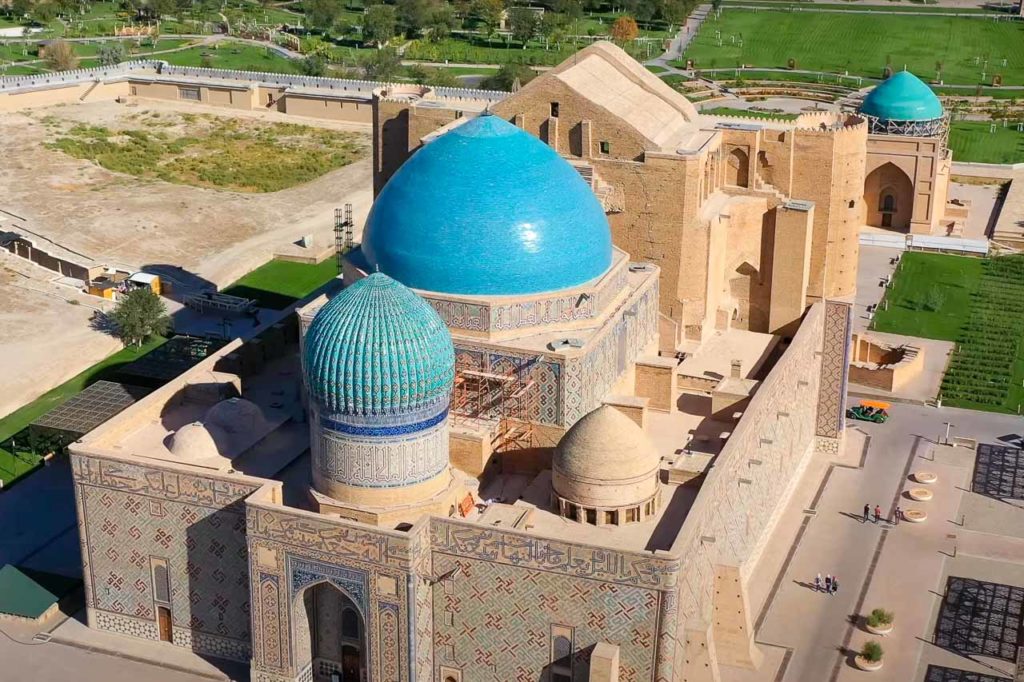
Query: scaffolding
<point x="343" y="234"/>
<point x="507" y="401"/>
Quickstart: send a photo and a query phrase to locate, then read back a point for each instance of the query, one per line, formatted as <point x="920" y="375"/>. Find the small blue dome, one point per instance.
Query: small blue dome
<point x="902" y="97"/>
<point x="488" y="209"/>
<point x="378" y="349"/>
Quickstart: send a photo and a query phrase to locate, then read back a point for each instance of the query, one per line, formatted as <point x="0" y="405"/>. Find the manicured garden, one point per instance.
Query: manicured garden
<point x="978" y="141"/>
<point x="16" y="459"/>
<point x="279" y="283"/>
<point x="835" y="42"/>
<point x="979" y="304"/>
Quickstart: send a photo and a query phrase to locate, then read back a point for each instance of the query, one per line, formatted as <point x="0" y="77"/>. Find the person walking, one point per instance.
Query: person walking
<point x="828" y="583"/>
<point x="817" y="583"/>
<point x="835" y="585"/>
<point x="867" y="510"/>
<point x="878" y="513"/>
<point x="897" y="516"/>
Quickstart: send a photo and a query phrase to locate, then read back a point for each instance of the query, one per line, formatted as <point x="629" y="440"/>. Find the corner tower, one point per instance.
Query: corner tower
<point x="378" y="365"/>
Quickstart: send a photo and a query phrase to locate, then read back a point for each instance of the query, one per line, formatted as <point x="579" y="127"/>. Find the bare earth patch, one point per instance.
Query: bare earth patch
<point x="119" y="219"/>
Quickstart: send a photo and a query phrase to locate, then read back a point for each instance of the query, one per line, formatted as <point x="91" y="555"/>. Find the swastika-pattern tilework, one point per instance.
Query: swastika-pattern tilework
<point x="493" y="622"/>
<point x="132" y="514"/>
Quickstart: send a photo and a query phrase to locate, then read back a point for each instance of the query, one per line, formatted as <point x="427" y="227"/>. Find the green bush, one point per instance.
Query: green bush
<point x="872" y="652"/>
<point x="880" y="618"/>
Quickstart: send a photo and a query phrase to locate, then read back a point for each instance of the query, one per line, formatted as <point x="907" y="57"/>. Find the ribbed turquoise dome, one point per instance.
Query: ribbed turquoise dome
<point x="902" y="97"/>
<point x="488" y="209"/>
<point x="378" y="349"/>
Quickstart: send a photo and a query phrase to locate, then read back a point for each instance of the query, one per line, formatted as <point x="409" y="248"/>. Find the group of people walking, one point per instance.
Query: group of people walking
<point x="897" y="515"/>
<point x="830" y="585"/>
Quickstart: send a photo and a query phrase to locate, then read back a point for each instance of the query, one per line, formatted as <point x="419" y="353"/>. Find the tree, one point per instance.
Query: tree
<point x="43" y="13"/>
<point x="60" y="56"/>
<point x="313" y="65"/>
<point x="382" y="65"/>
<point x="379" y="24"/>
<point x="624" y="29"/>
<point x="441" y="23"/>
<point x="413" y="15"/>
<point x="488" y="13"/>
<point x="422" y="75"/>
<point x="675" y="11"/>
<point x="524" y="24"/>
<point x="111" y="53"/>
<point x="716" y="5"/>
<point x="507" y="75"/>
<point x="322" y="14"/>
<point x="570" y="9"/>
<point x="139" y="315"/>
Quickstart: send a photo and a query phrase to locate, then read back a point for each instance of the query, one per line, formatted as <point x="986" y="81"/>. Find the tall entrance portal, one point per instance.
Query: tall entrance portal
<point x="330" y="636"/>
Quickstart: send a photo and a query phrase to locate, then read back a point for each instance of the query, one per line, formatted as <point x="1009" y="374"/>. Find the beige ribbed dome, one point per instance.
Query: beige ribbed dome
<point x="605" y="460"/>
<point x="235" y="415"/>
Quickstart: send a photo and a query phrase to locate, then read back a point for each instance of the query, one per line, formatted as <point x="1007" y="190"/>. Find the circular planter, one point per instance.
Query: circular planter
<point x="914" y="516"/>
<point x="925" y="477"/>
<point x="865" y="664"/>
<point x="881" y="630"/>
<point x="920" y="494"/>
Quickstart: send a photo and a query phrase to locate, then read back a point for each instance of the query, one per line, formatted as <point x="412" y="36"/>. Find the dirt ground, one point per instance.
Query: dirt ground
<point x="119" y="220"/>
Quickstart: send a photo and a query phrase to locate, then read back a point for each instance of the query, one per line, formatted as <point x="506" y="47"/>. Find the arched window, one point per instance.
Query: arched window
<point x="450" y="679"/>
<point x="887" y="203"/>
<point x="350" y="624"/>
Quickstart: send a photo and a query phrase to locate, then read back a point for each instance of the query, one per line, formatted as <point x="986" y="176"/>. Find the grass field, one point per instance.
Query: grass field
<point x="972" y="141"/>
<point x="209" y="151"/>
<point x="954" y="277"/>
<point x="836" y="43"/>
<point x="729" y="111"/>
<point x="16" y="462"/>
<point x="977" y="303"/>
<point x="239" y="56"/>
<point x="279" y="283"/>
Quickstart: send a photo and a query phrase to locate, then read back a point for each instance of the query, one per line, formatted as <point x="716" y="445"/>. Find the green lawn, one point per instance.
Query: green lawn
<point x="955" y="277"/>
<point x="279" y="283"/>
<point x="239" y="56"/>
<point x="729" y="111"/>
<point x="16" y="464"/>
<point x="972" y="141"/>
<point x="837" y="43"/>
<point x="470" y="70"/>
<point x="979" y="304"/>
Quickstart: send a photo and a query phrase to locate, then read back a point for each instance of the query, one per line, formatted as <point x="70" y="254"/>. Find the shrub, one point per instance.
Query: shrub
<point x="934" y="299"/>
<point x="872" y="652"/>
<point x="880" y="618"/>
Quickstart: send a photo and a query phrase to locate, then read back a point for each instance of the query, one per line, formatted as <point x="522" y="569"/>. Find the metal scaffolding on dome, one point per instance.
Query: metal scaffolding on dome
<point x="508" y="399"/>
<point x="936" y="127"/>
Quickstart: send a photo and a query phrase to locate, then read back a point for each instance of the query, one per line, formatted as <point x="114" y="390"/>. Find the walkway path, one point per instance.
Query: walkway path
<point x="686" y="33"/>
<point x="899" y="568"/>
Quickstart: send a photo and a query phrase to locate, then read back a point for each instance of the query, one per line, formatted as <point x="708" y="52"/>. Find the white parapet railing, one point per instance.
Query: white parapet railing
<point x="923" y="242"/>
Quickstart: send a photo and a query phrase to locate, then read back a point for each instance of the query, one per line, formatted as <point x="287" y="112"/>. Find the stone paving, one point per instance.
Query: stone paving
<point x="807" y="635"/>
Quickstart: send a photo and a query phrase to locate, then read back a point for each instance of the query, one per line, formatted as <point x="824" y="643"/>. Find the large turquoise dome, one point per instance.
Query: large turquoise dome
<point x="378" y="349"/>
<point x="487" y="209"/>
<point x="902" y="97"/>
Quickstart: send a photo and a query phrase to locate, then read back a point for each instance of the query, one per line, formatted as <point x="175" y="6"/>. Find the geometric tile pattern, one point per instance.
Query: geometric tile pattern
<point x="493" y="621"/>
<point x="835" y="352"/>
<point x="128" y="515"/>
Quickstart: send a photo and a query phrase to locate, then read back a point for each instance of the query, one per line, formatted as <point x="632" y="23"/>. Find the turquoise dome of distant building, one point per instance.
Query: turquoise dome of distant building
<point x="488" y="209"/>
<point x="902" y="97"/>
<point x="378" y="349"/>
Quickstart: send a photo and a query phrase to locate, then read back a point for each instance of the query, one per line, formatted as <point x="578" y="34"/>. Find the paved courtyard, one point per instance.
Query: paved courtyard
<point x="904" y="568"/>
